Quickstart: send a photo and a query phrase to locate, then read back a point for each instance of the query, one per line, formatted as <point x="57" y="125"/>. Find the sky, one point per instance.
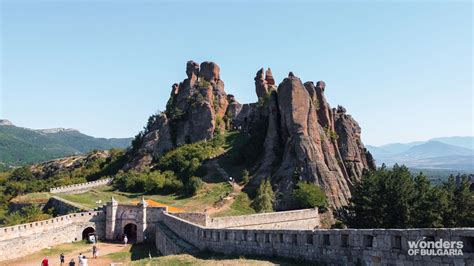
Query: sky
<point x="402" y="69"/>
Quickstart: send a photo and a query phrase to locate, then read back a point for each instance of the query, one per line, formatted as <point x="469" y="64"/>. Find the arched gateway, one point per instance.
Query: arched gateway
<point x="87" y="232"/>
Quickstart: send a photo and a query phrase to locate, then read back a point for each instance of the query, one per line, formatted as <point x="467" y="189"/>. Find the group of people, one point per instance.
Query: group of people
<point x="81" y="259"/>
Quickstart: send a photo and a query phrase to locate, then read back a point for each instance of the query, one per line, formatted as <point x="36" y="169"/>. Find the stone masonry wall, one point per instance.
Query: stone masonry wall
<point x="194" y="217"/>
<point x="298" y="219"/>
<point x="334" y="246"/>
<point x="78" y="188"/>
<point x="20" y="240"/>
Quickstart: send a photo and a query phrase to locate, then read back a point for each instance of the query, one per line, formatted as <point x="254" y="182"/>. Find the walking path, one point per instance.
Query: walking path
<point x="225" y="203"/>
<point x="71" y="252"/>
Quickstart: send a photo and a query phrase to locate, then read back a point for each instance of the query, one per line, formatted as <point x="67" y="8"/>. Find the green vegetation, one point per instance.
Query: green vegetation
<point x="241" y="206"/>
<point x="395" y="199"/>
<point x="22" y="146"/>
<point x="263" y="202"/>
<point x="308" y="195"/>
<point x="202" y="83"/>
<point x="245" y="176"/>
<point x="208" y="195"/>
<point x="149" y="182"/>
<point x="331" y="133"/>
<point x="187" y="160"/>
<point x="27" y="214"/>
<point x="21" y="181"/>
<point x="193" y="185"/>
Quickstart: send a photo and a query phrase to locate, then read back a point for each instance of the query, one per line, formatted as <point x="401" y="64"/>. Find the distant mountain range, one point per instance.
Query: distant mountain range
<point x="20" y="146"/>
<point x="449" y="153"/>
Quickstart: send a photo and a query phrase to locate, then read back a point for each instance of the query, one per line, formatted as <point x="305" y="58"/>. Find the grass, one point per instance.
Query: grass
<point x="136" y="252"/>
<point x="88" y="199"/>
<point x="230" y="160"/>
<point x="209" y="194"/>
<point x="37" y="197"/>
<point x="65" y="248"/>
<point x="241" y="206"/>
<point x="207" y="258"/>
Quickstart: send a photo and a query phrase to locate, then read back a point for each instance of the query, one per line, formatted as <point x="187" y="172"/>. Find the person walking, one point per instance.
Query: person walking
<point x="72" y="263"/>
<point x="94" y="251"/>
<point x="61" y="259"/>
<point x="79" y="259"/>
<point x="45" y="262"/>
<point x="84" y="261"/>
<point x="125" y="240"/>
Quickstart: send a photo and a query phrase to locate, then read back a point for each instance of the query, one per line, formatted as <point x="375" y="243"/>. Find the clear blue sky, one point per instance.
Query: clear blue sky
<point x="403" y="69"/>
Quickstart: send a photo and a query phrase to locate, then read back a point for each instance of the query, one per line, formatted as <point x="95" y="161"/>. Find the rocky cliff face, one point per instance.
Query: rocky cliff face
<point x="303" y="138"/>
<point x="308" y="141"/>
<point x="195" y="111"/>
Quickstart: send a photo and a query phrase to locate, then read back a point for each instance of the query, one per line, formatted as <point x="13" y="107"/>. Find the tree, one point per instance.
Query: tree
<point x="22" y="174"/>
<point x="308" y="195"/>
<point x="193" y="185"/>
<point x="429" y="204"/>
<point x="263" y="202"/>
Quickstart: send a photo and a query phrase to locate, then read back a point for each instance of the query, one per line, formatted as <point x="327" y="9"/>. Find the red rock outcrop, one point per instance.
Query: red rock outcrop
<point x="194" y="112"/>
<point x="308" y="141"/>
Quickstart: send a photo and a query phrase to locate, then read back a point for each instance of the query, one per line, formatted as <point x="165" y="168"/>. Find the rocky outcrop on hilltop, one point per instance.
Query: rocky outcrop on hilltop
<point x="317" y="144"/>
<point x="65" y="165"/>
<point x="301" y="137"/>
<point x="195" y="111"/>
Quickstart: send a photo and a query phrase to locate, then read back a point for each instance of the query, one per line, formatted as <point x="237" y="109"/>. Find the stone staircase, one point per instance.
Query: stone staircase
<point x="169" y="243"/>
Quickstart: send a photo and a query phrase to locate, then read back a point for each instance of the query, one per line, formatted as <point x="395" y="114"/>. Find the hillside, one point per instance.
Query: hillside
<point x="21" y="146"/>
<point x="449" y="153"/>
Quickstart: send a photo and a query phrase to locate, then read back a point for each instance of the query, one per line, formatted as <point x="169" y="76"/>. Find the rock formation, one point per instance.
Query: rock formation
<point x="308" y="141"/>
<point x="194" y="112"/>
<point x="303" y="138"/>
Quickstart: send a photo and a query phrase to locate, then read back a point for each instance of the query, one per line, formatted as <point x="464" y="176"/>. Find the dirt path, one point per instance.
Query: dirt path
<point x="225" y="203"/>
<point x="104" y="249"/>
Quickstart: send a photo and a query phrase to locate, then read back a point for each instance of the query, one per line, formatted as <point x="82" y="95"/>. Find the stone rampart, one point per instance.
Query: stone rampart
<point x="78" y="188"/>
<point x="20" y="240"/>
<point x="298" y="219"/>
<point x="333" y="246"/>
<point x="194" y="217"/>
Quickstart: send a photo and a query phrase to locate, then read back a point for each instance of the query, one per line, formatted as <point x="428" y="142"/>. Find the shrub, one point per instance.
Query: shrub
<point x="307" y="195"/>
<point x="245" y="176"/>
<point x="202" y="83"/>
<point x="148" y="182"/>
<point x="187" y="159"/>
<point x="263" y="202"/>
<point x="193" y="185"/>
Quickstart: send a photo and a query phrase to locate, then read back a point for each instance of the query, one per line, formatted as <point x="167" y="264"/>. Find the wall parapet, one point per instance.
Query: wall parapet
<point x="273" y="218"/>
<point x="82" y="186"/>
<point x="27" y="229"/>
<point x="332" y="246"/>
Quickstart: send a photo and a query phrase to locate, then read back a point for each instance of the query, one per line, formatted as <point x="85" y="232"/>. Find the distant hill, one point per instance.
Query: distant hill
<point x="20" y="146"/>
<point x="449" y="153"/>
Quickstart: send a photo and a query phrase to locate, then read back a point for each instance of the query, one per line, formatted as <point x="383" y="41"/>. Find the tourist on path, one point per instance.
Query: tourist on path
<point x="45" y="262"/>
<point x="72" y="263"/>
<point x="61" y="258"/>
<point x="94" y="251"/>
<point x="79" y="259"/>
<point x="125" y="240"/>
<point x="84" y="261"/>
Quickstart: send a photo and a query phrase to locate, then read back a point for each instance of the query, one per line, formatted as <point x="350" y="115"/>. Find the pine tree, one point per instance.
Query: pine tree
<point x="263" y="202"/>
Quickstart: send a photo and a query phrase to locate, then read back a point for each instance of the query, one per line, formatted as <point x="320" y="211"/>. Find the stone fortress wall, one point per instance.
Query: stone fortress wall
<point x="20" y="240"/>
<point x="292" y="234"/>
<point x="331" y="246"/>
<point x="78" y="188"/>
